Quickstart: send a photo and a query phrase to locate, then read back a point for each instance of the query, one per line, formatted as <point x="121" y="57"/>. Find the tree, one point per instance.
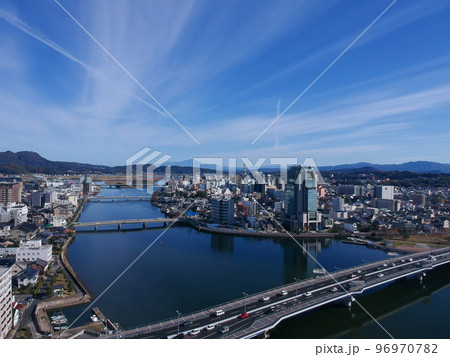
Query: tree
<point x="404" y="233"/>
<point x="336" y="229"/>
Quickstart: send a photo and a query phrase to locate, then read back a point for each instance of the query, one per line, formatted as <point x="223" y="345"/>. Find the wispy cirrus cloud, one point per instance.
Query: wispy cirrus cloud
<point x="221" y="68"/>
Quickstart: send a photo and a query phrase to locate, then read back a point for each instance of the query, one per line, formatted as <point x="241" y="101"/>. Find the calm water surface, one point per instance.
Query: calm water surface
<point x="187" y="271"/>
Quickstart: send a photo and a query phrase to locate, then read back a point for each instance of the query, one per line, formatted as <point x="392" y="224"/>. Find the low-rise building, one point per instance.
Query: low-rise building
<point x="24" y="231"/>
<point x="27" y="277"/>
<point x="32" y="250"/>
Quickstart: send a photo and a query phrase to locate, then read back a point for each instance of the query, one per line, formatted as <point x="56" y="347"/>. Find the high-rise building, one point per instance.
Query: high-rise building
<point x="50" y="197"/>
<point x="36" y="199"/>
<point x="5" y="301"/>
<point x="351" y="190"/>
<point x="301" y="199"/>
<point x="10" y="192"/>
<point x="338" y="204"/>
<point x="222" y="210"/>
<point x="384" y="192"/>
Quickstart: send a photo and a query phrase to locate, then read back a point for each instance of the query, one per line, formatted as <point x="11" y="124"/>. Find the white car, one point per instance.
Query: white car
<point x="210" y="327"/>
<point x="194" y="332"/>
<point x="354" y="275"/>
<point x="265" y="298"/>
<point x="308" y="293"/>
<point x="220" y="312"/>
<point x="380" y="275"/>
<point x="283" y="292"/>
<point x="334" y="289"/>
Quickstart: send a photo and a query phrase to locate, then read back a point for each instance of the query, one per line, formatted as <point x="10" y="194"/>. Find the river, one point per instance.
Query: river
<point x="187" y="270"/>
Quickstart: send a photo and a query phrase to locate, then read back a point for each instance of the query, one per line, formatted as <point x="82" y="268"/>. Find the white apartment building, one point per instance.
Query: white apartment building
<point x="58" y="222"/>
<point x="33" y="249"/>
<point x="5" y="301"/>
<point x="14" y="211"/>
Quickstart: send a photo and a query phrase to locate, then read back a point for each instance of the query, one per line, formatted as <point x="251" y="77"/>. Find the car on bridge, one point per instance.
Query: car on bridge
<point x="220" y="312"/>
<point x="265" y="298"/>
<point x="244" y="315"/>
<point x="334" y="289"/>
<point x="308" y="294"/>
<point x="210" y="327"/>
<point x="224" y="329"/>
<point x="380" y="275"/>
<point x="283" y="292"/>
<point x="187" y="323"/>
<point x="194" y="332"/>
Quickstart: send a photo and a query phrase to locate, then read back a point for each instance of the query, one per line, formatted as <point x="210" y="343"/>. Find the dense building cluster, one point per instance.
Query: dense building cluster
<point x="34" y="214"/>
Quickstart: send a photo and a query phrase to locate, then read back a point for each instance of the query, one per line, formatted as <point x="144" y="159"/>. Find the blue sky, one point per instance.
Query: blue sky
<point x="224" y="69"/>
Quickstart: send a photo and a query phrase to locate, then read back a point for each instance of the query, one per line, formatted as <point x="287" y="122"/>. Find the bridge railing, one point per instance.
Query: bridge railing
<point x="291" y="286"/>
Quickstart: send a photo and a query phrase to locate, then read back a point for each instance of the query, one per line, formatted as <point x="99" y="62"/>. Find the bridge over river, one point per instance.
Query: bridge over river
<point x="120" y="222"/>
<point x="268" y="308"/>
<point x="120" y="198"/>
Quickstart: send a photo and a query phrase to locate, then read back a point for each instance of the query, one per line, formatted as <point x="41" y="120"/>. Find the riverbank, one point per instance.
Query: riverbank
<point x="82" y="295"/>
<point x="264" y="234"/>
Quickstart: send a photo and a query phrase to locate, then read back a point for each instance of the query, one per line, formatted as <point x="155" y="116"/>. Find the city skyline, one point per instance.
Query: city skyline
<point x="225" y="71"/>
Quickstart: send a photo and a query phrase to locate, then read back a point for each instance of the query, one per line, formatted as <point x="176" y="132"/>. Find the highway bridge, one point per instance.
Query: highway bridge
<point x="268" y="308"/>
<point x="120" y="222"/>
<point x="120" y="198"/>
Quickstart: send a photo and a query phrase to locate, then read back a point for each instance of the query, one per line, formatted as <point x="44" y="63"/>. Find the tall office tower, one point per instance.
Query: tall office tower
<point x="384" y="192"/>
<point x="222" y="210"/>
<point x="301" y="199"/>
<point x="5" y="301"/>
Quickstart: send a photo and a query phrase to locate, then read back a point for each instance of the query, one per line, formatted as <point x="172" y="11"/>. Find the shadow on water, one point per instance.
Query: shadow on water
<point x="403" y="308"/>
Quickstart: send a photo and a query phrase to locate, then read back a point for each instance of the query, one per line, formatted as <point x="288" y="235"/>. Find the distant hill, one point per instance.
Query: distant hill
<point x="23" y="162"/>
<point x="412" y="166"/>
<point x="26" y="162"/>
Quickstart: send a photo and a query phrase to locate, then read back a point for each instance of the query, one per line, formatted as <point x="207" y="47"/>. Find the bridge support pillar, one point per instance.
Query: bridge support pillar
<point x="95" y="228"/>
<point x="165" y="224"/>
<point x="143" y="225"/>
<point x="348" y="302"/>
<point x="119" y="226"/>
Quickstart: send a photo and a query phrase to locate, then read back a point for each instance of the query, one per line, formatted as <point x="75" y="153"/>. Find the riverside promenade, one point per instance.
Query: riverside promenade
<point x="82" y="295"/>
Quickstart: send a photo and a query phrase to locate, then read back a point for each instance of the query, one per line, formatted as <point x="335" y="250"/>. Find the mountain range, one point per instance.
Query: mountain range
<point x="25" y="162"/>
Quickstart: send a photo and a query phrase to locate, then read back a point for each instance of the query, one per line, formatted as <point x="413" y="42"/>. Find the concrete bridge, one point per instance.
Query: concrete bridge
<point x="268" y="308"/>
<point x="120" y="198"/>
<point x="120" y="222"/>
